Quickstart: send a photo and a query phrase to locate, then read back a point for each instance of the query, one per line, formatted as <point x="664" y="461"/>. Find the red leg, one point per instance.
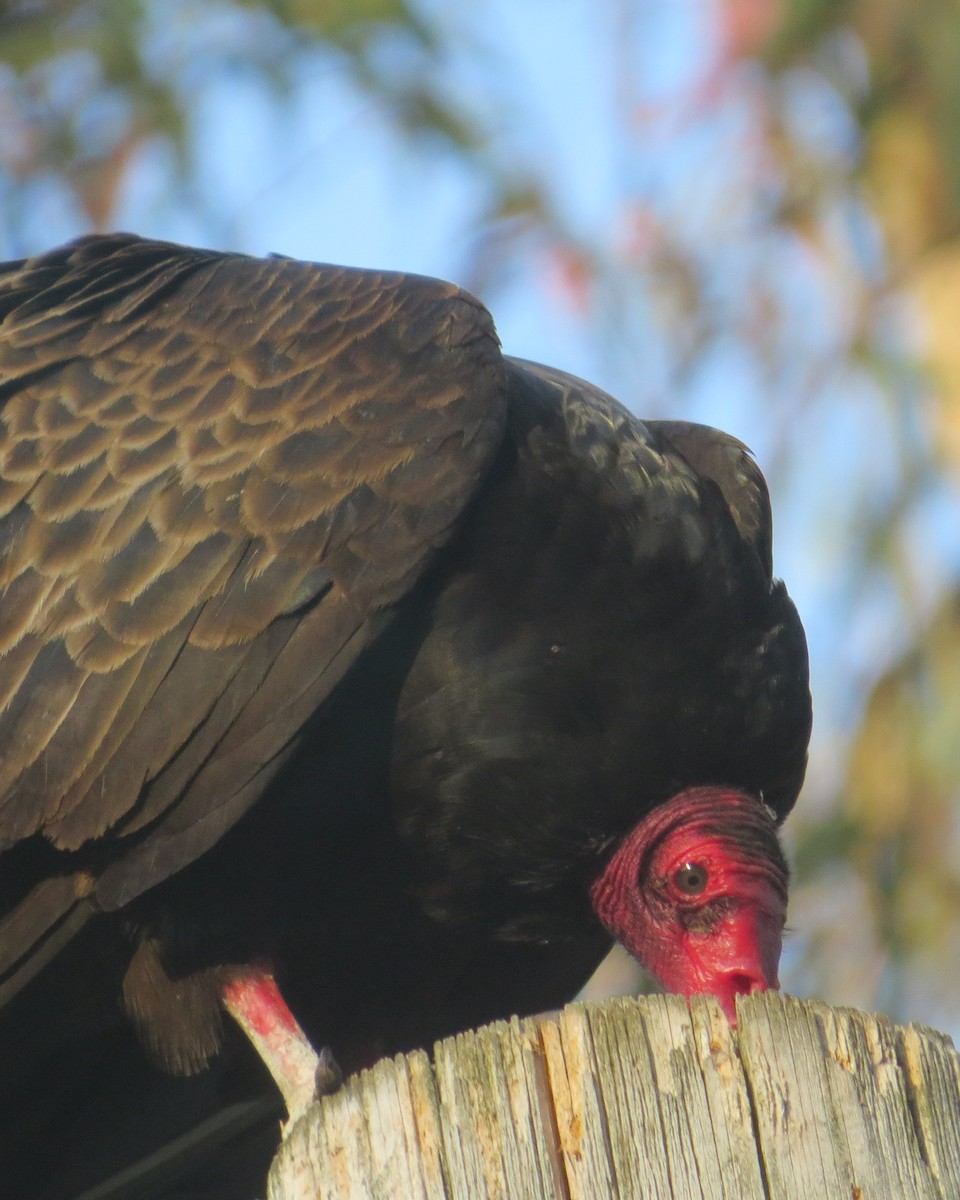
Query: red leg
<point x="254" y="1001"/>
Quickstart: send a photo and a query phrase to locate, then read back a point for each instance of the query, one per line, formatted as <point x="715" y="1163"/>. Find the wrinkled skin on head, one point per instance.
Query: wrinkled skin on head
<point x="697" y="893"/>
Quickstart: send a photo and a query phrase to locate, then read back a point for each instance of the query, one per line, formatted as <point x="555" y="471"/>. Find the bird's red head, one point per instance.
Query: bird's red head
<point x="697" y="892"/>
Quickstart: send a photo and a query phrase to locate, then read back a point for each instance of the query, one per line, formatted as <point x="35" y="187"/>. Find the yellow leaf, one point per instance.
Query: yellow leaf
<point x="904" y="179"/>
<point x="934" y="284"/>
<point x="880" y="785"/>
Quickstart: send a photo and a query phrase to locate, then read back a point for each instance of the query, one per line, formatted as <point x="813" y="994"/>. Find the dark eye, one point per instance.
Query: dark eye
<point x="691" y="879"/>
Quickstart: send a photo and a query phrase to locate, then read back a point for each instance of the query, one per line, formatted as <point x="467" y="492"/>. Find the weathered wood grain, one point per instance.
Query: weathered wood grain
<point x="645" y="1099"/>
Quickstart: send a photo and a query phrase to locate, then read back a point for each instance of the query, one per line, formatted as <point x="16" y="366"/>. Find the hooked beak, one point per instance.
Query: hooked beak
<point x="744" y="957"/>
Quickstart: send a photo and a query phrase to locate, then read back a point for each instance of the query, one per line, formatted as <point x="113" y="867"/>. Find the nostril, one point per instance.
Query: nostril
<point x="742" y="984"/>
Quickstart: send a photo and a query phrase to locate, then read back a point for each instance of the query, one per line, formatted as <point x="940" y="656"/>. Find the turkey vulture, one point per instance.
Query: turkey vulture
<point x="335" y="644"/>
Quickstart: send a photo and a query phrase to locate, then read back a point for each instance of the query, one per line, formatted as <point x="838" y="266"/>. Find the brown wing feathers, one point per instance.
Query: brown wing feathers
<point x="214" y="473"/>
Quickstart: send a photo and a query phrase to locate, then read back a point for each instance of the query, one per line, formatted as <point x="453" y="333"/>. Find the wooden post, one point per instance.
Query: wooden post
<point x="647" y="1098"/>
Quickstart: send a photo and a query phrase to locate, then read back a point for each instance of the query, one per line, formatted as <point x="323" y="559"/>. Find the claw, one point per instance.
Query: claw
<point x="328" y="1077"/>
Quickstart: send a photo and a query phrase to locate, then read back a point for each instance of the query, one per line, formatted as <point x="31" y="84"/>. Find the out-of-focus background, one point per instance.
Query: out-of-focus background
<point x="744" y="212"/>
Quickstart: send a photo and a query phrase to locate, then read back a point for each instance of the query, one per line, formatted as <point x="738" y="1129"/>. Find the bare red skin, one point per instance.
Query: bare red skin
<point x="256" y="996"/>
<point x="254" y="1001"/>
<point x="726" y="941"/>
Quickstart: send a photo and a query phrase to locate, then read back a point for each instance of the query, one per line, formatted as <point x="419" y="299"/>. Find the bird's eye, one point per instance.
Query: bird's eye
<point x="691" y="879"/>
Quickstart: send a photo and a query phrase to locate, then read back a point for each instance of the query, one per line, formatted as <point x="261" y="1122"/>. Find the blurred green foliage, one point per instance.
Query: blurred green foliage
<point x="83" y="83"/>
<point x="901" y="796"/>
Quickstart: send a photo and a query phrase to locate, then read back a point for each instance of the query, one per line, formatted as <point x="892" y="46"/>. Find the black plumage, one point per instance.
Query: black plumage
<point x="332" y="638"/>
